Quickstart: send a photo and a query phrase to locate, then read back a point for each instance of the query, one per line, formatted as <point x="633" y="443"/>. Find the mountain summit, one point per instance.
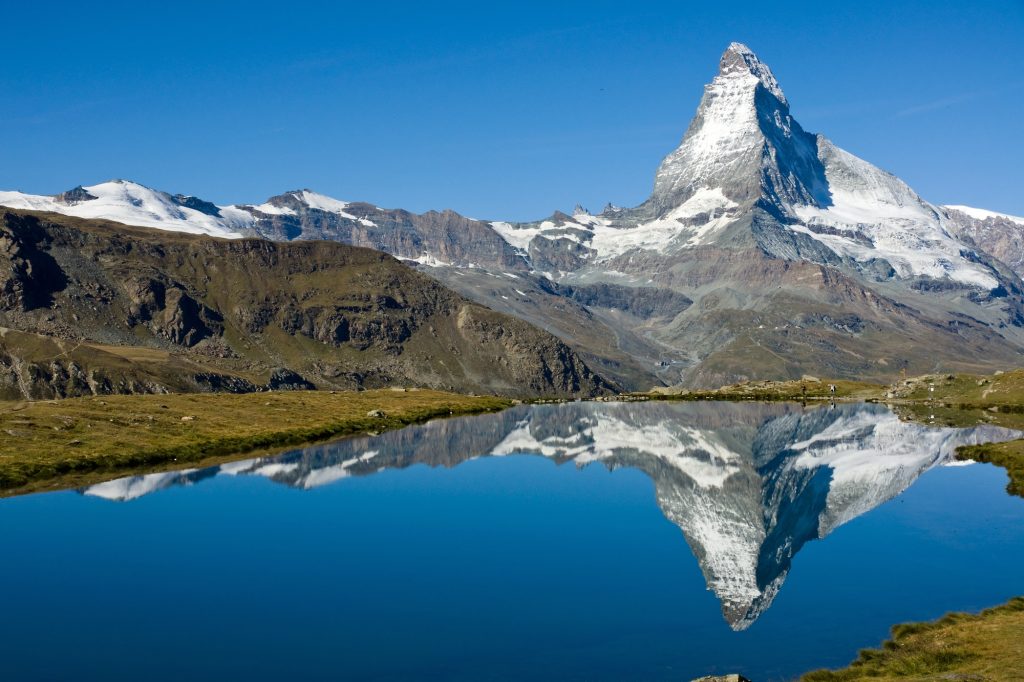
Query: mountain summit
<point x="744" y="141"/>
<point x="763" y="251"/>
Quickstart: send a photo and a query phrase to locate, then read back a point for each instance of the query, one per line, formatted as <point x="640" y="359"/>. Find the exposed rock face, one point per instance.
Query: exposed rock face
<point x="29" y="277"/>
<point x="250" y="313"/>
<point x="643" y="302"/>
<point x="39" y="366"/>
<point x="282" y="379"/>
<point x="994" y="233"/>
<point x="434" y="236"/>
<point x="748" y="485"/>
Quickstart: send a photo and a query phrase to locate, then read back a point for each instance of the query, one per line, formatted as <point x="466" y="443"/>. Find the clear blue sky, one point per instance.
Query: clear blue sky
<point x="497" y="110"/>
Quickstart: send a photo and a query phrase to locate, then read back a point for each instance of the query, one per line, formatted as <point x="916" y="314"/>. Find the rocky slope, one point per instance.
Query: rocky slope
<point x="748" y="485"/>
<point x="996" y="233"/>
<point x="99" y="307"/>
<point x="763" y="251"/>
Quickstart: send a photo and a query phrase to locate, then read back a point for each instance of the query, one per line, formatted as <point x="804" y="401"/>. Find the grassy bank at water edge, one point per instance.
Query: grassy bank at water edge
<point x="62" y="443"/>
<point x="958" y="646"/>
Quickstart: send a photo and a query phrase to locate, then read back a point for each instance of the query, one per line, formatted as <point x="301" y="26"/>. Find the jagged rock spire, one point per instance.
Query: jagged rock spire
<point x="743" y="141"/>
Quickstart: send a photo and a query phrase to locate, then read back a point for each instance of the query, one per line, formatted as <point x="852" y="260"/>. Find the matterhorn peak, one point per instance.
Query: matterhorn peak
<point x="740" y="60"/>
<point x="742" y="142"/>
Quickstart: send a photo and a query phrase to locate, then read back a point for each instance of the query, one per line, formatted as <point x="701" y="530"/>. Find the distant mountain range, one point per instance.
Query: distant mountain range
<point x="748" y="485"/>
<point x="763" y="251"/>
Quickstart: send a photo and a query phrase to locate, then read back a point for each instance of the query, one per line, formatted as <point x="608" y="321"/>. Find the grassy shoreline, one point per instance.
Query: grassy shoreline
<point x="958" y="646"/>
<point x="49" y="445"/>
<point x="46" y="445"/>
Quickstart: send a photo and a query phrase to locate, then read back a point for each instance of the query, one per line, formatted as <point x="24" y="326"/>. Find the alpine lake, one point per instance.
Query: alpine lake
<point x="579" y="541"/>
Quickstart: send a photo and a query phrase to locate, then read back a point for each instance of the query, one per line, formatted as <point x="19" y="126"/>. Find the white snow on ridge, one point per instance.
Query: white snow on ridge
<point x="132" y="204"/>
<point x="982" y="214"/>
<point x="429" y="260"/>
<point x="325" y="203"/>
<point x="519" y="237"/>
<point x="269" y="209"/>
<point x="610" y="241"/>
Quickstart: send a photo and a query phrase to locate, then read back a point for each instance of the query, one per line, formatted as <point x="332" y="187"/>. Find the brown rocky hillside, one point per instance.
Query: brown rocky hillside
<point x="98" y="307"/>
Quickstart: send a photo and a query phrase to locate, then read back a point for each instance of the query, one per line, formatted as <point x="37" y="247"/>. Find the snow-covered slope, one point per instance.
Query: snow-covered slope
<point x="873" y="214"/>
<point x="743" y="151"/>
<point x="134" y="204"/>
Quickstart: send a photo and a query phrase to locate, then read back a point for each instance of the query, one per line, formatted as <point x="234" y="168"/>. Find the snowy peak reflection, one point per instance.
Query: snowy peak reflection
<point x="748" y="484"/>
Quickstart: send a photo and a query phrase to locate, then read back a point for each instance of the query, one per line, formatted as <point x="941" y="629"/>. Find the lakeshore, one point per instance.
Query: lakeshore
<point x="59" y="444"/>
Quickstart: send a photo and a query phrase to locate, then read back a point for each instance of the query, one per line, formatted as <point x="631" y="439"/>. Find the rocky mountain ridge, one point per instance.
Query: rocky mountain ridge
<point x="94" y="307"/>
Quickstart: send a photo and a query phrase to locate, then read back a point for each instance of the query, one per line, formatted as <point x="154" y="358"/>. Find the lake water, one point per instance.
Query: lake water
<point x="588" y="541"/>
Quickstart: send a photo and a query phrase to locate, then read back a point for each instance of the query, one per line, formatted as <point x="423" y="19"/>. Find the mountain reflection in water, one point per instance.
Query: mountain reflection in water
<point x="748" y="484"/>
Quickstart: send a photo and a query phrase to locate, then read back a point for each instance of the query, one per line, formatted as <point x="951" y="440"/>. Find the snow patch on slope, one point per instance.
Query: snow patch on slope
<point x="325" y="203"/>
<point x="656" y="235"/>
<point x="680" y="228"/>
<point x="133" y="487"/>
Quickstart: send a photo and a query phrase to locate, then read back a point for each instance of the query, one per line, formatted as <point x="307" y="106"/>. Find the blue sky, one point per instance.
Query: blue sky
<point x="497" y="110"/>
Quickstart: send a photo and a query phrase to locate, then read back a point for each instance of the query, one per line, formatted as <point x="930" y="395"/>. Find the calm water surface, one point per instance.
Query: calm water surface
<point x="590" y="541"/>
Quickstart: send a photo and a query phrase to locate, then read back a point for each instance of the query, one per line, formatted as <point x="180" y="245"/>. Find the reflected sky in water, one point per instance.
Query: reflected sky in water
<point x="579" y="541"/>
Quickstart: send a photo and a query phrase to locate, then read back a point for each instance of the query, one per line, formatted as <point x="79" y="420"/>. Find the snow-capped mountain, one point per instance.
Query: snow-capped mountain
<point x="133" y="204"/>
<point x="742" y="150"/>
<point x="748" y="485"/>
<point x="433" y="238"/>
<point x="780" y="252"/>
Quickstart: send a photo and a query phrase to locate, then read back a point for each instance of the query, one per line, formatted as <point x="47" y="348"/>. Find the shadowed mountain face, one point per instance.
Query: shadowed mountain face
<point x="748" y="484"/>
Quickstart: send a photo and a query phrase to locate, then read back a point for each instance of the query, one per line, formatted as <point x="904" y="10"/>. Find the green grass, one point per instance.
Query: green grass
<point x="64" y="443"/>
<point x="1003" y="391"/>
<point x="966" y="400"/>
<point x="958" y="646"/>
<point x="1009" y="455"/>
